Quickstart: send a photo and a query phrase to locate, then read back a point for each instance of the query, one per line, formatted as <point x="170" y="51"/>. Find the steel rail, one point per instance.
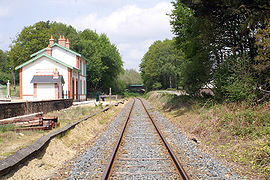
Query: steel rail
<point x="178" y="165"/>
<point x="107" y="171"/>
<point x="173" y="156"/>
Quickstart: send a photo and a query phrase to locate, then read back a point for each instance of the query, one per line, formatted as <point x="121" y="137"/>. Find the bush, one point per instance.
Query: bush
<point x="233" y="80"/>
<point x="157" y="86"/>
<point x="236" y="90"/>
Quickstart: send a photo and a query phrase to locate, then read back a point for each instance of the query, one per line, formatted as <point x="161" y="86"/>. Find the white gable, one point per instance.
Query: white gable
<point x="42" y="63"/>
<point x="64" y="56"/>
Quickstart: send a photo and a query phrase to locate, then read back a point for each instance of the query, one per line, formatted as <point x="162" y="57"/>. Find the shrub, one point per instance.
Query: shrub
<point x="157" y="86"/>
<point x="237" y="90"/>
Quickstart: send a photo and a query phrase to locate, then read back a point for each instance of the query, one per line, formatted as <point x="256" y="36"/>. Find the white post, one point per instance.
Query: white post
<point x="8" y="89"/>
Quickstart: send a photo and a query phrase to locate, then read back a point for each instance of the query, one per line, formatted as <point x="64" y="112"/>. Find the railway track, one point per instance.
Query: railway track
<point x="141" y="151"/>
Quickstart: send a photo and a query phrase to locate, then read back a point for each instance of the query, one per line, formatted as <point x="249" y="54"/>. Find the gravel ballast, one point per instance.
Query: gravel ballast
<point x="196" y="163"/>
<point x="93" y="162"/>
<point x="142" y="154"/>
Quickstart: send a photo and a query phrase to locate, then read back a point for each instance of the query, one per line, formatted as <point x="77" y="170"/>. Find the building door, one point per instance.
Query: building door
<point x="77" y="89"/>
<point x="73" y="87"/>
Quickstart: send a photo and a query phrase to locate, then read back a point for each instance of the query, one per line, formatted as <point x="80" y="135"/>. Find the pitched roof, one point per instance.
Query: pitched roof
<point x="46" y="79"/>
<point x="56" y="44"/>
<point x="50" y="57"/>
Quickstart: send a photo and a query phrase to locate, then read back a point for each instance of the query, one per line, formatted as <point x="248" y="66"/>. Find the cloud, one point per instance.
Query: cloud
<point x="4" y="12"/>
<point x="131" y="28"/>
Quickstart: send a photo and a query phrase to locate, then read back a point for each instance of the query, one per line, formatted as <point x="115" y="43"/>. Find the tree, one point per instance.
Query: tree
<point x="215" y="35"/>
<point x="105" y="63"/>
<point x="161" y="65"/>
<point x="129" y="77"/>
<point x="5" y="73"/>
<point x="192" y="39"/>
<point x="262" y="60"/>
<point x="31" y="39"/>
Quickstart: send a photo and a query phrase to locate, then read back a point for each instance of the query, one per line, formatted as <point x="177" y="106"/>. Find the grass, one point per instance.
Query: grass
<point x="239" y="132"/>
<point x="5" y="128"/>
<point x="68" y="116"/>
<point x="14" y="92"/>
<point x="11" y="141"/>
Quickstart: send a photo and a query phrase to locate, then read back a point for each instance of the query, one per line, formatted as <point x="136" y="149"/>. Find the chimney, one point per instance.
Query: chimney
<point x="55" y="74"/>
<point x="49" y="50"/>
<point x="62" y="41"/>
<point x="67" y="44"/>
<point x="51" y="40"/>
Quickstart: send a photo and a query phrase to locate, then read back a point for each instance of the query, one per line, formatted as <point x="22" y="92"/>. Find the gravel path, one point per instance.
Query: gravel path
<point x="196" y="163"/>
<point x="142" y="154"/>
<point x="93" y="162"/>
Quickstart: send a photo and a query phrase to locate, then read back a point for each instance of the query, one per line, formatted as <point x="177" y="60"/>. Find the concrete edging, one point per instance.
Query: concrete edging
<point x="7" y="164"/>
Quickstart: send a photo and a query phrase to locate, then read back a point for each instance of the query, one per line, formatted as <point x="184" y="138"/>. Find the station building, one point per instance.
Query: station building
<point x="55" y="72"/>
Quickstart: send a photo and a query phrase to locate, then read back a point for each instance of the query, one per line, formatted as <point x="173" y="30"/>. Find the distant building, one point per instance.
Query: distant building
<point x="54" y="72"/>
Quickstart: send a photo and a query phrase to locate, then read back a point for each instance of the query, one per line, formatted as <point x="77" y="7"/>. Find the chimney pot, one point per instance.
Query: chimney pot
<point x="51" y="41"/>
<point x="49" y="50"/>
<point x="62" y="41"/>
<point x="67" y="44"/>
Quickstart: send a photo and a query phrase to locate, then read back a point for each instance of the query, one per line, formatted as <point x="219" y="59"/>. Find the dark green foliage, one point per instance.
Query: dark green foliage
<point x="31" y="39"/>
<point x="233" y="80"/>
<point x="218" y="40"/>
<point x="5" y="69"/>
<point x="161" y="65"/>
<point x="105" y="63"/>
<point x="127" y="78"/>
<point x="262" y="60"/>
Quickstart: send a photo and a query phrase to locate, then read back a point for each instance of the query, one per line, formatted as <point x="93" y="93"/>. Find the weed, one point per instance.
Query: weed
<point x="63" y="134"/>
<point x="239" y="130"/>
<point x="6" y="153"/>
<point x="4" y="128"/>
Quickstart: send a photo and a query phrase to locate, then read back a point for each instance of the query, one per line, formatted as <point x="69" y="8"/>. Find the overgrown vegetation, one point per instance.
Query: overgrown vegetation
<point x="222" y="45"/>
<point x="127" y="78"/>
<point x="239" y="132"/>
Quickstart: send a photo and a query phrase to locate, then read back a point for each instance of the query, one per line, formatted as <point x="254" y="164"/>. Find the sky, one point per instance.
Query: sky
<point x="132" y="25"/>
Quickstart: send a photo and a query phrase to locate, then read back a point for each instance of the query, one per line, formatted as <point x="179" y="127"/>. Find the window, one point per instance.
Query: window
<point x="85" y="69"/>
<point x="81" y="87"/>
<point x="84" y="87"/>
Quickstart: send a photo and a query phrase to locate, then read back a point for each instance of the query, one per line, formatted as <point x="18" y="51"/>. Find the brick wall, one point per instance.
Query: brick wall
<point x="8" y="110"/>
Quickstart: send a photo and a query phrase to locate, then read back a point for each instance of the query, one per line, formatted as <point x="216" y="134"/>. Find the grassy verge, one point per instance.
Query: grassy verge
<point x="235" y="133"/>
<point x="62" y="152"/>
<point x="10" y="141"/>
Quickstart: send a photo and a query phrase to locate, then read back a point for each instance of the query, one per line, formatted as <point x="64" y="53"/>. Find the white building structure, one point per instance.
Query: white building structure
<point x="54" y="72"/>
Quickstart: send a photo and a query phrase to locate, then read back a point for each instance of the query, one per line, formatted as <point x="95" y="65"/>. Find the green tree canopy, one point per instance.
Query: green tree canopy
<point x="104" y="64"/>
<point x="161" y="65"/>
<point x="216" y="37"/>
<point x="5" y="71"/>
